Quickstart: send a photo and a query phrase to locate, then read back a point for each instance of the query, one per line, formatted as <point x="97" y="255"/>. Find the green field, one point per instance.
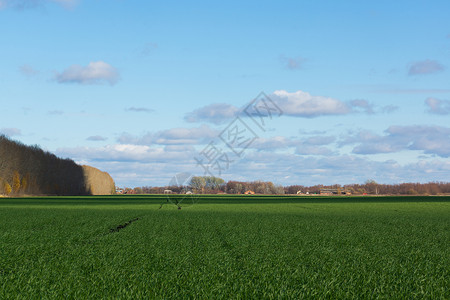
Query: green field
<point x="225" y="247"/>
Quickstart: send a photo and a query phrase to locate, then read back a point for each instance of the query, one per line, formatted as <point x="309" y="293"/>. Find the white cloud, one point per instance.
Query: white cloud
<point x="95" y="73"/>
<point x="10" y="131"/>
<point x="139" y="109"/>
<point x="438" y="106"/>
<point x="218" y="113"/>
<point x="425" y="67"/>
<point x="319" y="140"/>
<point x="313" y="145"/>
<point x="96" y="138"/>
<point x="313" y="150"/>
<point x="176" y="136"/>
<point x="179" y="148"/>
<point x="364" y="105"/>
<point x="303" y="104"/>
<point x="388" y="109"/>
<point x="173" y="136"/>
<point x="273" y="143"/>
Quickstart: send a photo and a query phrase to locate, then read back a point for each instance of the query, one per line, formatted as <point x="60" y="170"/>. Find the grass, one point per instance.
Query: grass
<point x="225" y="247"/>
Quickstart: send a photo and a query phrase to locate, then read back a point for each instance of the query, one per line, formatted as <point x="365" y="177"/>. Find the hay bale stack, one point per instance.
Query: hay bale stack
<point x="98" y="182"/>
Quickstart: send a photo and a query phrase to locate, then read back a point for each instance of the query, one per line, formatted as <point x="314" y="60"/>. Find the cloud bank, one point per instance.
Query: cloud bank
<point x="296" y="104"/>
<point x="145" y="165"/>
<point x="433" y="140"/>
<point x="173" y="136"/>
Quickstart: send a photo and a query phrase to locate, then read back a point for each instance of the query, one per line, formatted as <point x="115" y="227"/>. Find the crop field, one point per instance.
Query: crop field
<point x="225" y="247"/>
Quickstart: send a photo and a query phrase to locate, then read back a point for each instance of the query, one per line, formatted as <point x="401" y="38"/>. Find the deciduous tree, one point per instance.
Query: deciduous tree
<point x="16" y="182"/>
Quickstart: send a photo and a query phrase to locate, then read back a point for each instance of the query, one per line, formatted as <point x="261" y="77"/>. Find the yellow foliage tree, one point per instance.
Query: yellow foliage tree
<point x="7" y="188"/>
<point x="16" y="182"/>
<point x="24" y="183"/>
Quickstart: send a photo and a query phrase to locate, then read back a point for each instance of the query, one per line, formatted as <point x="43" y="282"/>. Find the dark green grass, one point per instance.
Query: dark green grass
<point x="225" y="247"/>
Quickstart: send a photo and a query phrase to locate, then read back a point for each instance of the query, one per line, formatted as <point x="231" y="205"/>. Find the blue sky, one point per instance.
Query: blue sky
<point x="140" y="88"/>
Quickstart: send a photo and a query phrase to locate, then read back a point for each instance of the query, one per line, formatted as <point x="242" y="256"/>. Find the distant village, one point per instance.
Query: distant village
<point x="218" y="186"/>
<point x="324" y="191"/>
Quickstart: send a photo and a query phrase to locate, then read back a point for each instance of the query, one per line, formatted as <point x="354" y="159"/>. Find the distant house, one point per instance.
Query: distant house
<point x="249" y="192"/>
<point x="328" y="191"/>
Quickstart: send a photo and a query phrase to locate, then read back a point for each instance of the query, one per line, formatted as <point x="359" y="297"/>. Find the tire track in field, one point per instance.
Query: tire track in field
<point x="112" y="230"/>
<point x="122" y="226"/>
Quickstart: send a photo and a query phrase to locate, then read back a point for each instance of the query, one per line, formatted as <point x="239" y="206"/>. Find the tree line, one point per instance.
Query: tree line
<point x="371" y="187"/>
<point x="33" y="171"/>
<point x="215" y="185"/>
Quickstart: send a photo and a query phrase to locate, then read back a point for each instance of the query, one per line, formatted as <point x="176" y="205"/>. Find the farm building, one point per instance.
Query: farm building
<point x="331" y="191"/>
